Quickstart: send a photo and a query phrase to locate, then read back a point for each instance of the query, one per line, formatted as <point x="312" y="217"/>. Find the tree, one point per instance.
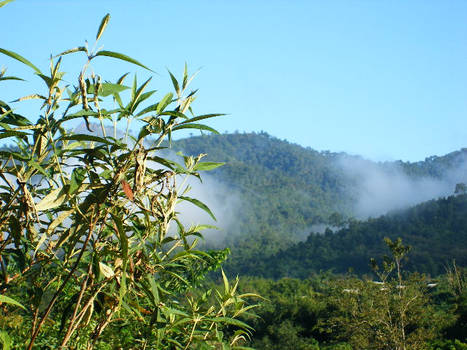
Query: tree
<point x="392" y="313"/>
<point x="91" y="241"/>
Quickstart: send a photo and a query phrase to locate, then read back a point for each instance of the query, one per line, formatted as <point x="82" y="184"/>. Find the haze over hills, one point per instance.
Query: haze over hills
<point x="271" y="194"/>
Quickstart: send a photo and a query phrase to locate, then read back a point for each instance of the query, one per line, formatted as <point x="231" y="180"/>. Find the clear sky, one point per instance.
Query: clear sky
<point x="383" y="79"/>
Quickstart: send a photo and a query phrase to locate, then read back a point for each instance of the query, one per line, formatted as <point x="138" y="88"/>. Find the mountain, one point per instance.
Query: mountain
<point x="284" y="191"/>
<point x="436" y="231"/>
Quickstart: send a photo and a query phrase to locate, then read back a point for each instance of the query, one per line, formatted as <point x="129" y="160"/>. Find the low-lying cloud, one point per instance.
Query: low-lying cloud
<point x="381" y="187"/>
<point x="221" y="200"/>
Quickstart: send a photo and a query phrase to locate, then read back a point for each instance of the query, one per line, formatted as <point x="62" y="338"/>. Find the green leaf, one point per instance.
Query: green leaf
<point x="228" y="320"/>
<point x="166" y="100"/>
<point x="154" y="290"/>
<point x="77" y="177"/>
<point x="199" y="204"/>
<point x="4" y="2"/>
<point x="201" y="117"/>
<point x="110" y="89"/>
<point x="185" y="77"/>
<point x="73" y="50"/>
<point x="8" y="300"/>
<point x="122" y="57"/>
<point x="20" y="58"/>
<point x="4" y="337"/>
<point x="207" y="166"/>
<point x="106" y="270"/>
<point x="53" y="200"/>
<point x="91" y="138"/>
<point x="175" y="83"/>
<point x="195" y="126"/>
<point x="38" y="167"/>
<point x="226" y="282"/>
<point x="102" y="26"/>
<point x="58" y="220"/>
<point x="11" y="78"/>
<point x="4" y="134"/>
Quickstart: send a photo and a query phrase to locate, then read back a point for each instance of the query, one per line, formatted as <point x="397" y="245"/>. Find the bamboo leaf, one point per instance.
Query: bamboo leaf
<point x="31" y="97"/>
<point x="166" y="100"/>
<point x="195" y="126"/>
<point x="5" y="134"/>
<point x="77" y="177"/>
<point x="110" y="89"/>
<point x="122" y="57"/>
<point x="11" y="78"/>
<point x="4" y="2"/>
<point x="226" y="282"/>
<point x="58" y="220"/>
<point x="20" y="58"/>
<point x="201" y="117"/>
<point x="127" y="189"/>
<point x="106" y="270"/>
<point x="175" y="83"/>
<point x="73" y="50"/>
<point x="102" y="26"/>
<point x="90" y="138"/>
<point x="8" y="300"/>
<point x="232" y="321"/>
<point x="4" y="337"/>
<point x="199" y="204"/>
<point x="207" y="166"/>
<point x="54" y="199"/>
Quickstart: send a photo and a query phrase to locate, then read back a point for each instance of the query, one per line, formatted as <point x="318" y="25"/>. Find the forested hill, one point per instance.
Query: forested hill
<point x="285" y="190"/>
<point x="436" y="231"/>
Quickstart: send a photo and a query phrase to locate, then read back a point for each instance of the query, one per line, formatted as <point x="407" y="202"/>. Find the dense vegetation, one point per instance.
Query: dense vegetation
<point x="328" y="311"/>
<point x="285" y="189"/>
<point x="436" y="231"/>
<point x="92" y="252"/>
<point x="319" y="310"/>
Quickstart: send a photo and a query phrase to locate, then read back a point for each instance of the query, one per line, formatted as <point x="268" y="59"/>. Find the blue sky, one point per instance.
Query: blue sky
<point x="383" y="79"/>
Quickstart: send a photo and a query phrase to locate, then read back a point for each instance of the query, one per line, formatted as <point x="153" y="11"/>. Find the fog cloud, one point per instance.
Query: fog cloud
<point x="380" y="187"/>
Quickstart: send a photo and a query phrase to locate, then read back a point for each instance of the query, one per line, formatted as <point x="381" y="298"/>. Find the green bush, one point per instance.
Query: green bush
<point x="92" y="244"/>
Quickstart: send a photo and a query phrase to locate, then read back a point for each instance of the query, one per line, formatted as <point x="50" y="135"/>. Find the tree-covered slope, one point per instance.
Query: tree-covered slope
<point x="284" y="190"/>
<point x="436" y="231"/>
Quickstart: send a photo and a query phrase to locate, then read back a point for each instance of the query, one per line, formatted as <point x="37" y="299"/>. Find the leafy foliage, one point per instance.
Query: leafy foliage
<point x="436" y="230"/>
<point x="285" y="189"/>
<point x="91" y="241"/>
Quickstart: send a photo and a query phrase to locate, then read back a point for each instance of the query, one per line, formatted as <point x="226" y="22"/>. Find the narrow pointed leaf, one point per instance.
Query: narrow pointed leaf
<point x="195" y="126"/>
<point x="127" y="189"/>
<point x="102" y="26"/>
<point x="77" y="177"/>
<point x="54" y="199"/>
<point x="30" y="97"/>
<point x="175" y="83"/>
<point x="4" y="2"/>
<point x="5" y="134"/>
<point x="166" y="100"/>
<point x="122" y="57"/>
<point x="58" y="220"/>
<point x="110" y="89"/>
<point x="73" y="50"/>
<point x="91" y="138"/>
<point x="201" y="117"/>
<point x="207" y="166"/>
<point x="11" y="78"/>
<point x="20" y="58"/>
<point x="8" y="300"/>
<point x="106" y="270"/>
<point x="199" y="204"/>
